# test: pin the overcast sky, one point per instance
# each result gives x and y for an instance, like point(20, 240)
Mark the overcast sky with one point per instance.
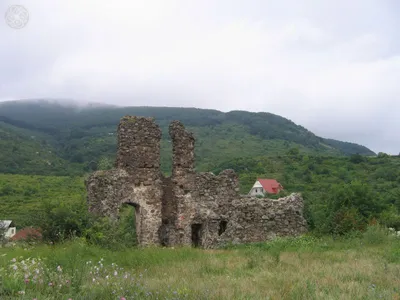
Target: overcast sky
point(332, 66)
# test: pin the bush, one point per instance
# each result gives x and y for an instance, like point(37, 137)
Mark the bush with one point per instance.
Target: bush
point(60, 221)
point(357, 158)
point(375, 235)
point(390, 218)
point(348, 207)
point(346, 220)
point(281, 194)
point(113, 234)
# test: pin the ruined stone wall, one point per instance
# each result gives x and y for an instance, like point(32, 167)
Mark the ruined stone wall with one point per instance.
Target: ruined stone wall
point(254, 219)
point(136, 181)
point(223, 216)
point(188, 208)
point(206, 198)
point(105, 190)
point(181, 179)
point(182, 150)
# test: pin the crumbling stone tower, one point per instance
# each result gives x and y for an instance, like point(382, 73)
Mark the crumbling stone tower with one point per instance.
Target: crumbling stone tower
point(136, 180)
point(188, 208)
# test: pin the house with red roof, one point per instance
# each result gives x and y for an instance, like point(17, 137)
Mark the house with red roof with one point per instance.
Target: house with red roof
point(26, 234)
point(265, 186)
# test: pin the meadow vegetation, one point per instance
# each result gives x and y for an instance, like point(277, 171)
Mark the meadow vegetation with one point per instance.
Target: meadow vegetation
point(355, 266)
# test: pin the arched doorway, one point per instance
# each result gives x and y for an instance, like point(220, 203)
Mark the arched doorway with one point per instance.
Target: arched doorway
point(129, 223)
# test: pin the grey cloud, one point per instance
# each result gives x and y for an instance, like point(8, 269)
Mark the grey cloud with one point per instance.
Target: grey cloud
point(331, 66)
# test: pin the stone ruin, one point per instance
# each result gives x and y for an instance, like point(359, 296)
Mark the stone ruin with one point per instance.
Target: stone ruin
point(187, 208)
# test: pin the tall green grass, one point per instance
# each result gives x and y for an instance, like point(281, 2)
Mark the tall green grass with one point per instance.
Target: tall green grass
point(364, 266)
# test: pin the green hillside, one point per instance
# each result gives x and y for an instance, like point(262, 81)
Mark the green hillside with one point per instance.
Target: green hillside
point(22, 196)
point(377, 179)
point(62, 139)
point(24, 151)
point(318, 173)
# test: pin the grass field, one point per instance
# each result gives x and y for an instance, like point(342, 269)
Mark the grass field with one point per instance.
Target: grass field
point(359, 267)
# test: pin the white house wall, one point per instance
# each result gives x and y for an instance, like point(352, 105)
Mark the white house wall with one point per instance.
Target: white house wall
point(6, 229)
point(10, 232)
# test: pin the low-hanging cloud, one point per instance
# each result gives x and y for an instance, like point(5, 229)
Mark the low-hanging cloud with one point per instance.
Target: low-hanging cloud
point(331, 66)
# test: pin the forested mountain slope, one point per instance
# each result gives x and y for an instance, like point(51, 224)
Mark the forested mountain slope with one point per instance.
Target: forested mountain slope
point(50, 137)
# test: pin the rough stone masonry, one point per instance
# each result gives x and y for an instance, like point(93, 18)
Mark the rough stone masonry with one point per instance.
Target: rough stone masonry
point(187, 208)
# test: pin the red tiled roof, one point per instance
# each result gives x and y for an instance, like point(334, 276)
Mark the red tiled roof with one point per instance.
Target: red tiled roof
point(27, 233)
point(270, 185)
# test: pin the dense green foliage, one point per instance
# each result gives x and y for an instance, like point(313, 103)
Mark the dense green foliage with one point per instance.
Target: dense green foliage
point(110, 234)
point(341, 193)
point(45, 138)
point(24, 197)
point(28, 152)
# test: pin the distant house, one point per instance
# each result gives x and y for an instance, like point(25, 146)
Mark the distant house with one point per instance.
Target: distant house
point(27, 233)
point(7, 228)
point(265, 186)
